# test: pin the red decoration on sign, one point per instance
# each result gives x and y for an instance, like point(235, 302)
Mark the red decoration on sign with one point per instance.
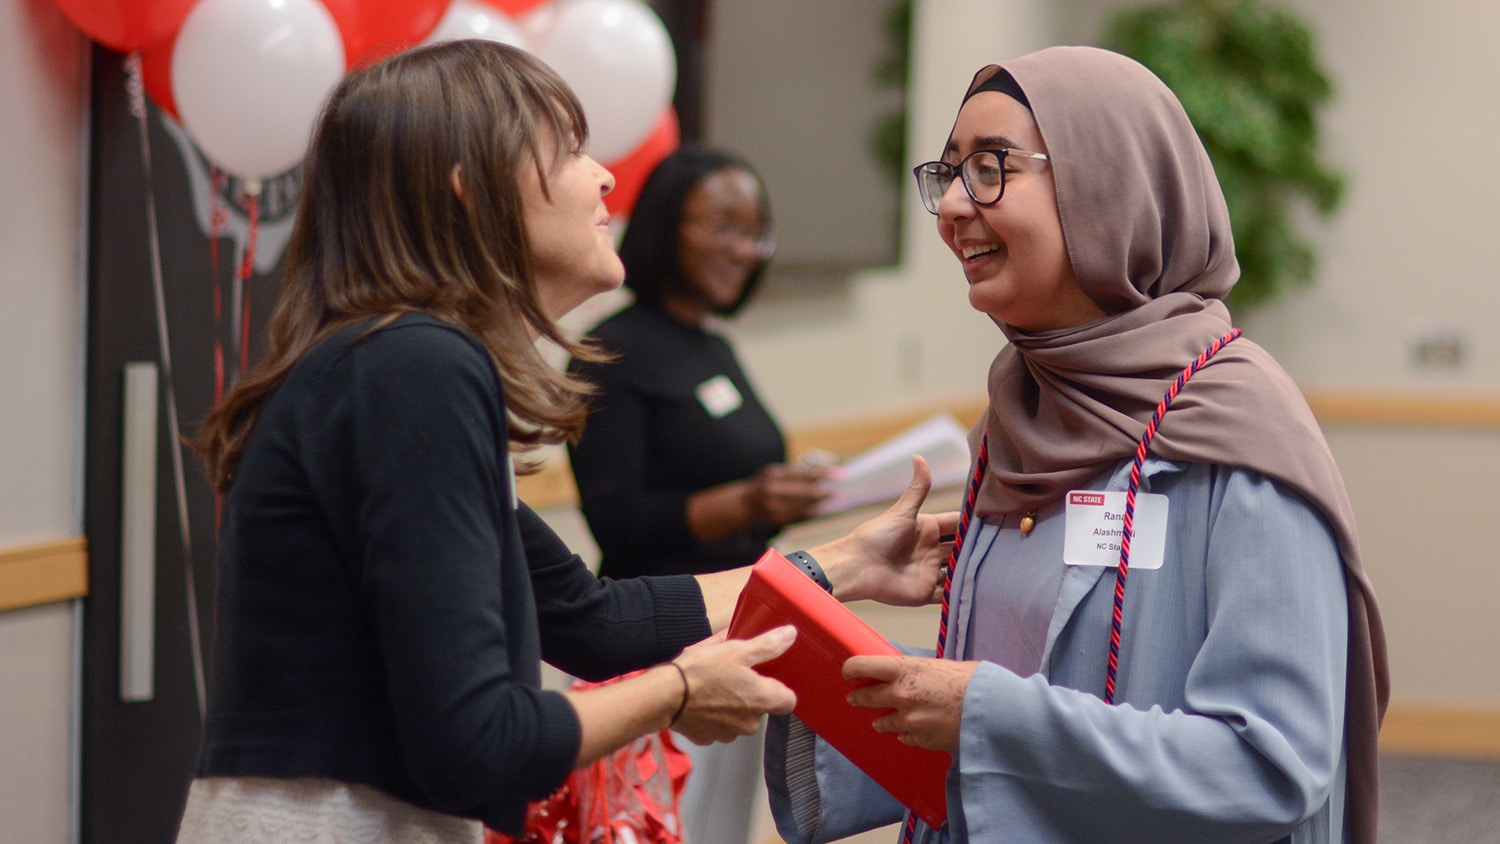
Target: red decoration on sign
point(156, 73)
point(516, 7)
point(374, 29)
point(631, 171)
point(127, 25)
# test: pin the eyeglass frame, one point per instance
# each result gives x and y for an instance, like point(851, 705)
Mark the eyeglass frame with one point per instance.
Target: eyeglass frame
point(730, 234)
point(960, 173)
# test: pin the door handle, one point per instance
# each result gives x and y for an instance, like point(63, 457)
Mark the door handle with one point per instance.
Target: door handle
point(138, 533)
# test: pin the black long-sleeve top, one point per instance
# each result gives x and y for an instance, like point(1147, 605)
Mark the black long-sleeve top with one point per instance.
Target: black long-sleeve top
point(674, 414)
point(384, 601)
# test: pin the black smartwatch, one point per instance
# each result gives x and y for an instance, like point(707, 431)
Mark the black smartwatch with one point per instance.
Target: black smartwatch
point(810, 567)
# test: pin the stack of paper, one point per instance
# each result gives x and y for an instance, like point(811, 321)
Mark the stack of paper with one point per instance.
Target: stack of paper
point(882, 473)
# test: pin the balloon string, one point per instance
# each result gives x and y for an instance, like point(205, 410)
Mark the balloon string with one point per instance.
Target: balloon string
point(247, 269)
point(135, 91)
point(218, 221)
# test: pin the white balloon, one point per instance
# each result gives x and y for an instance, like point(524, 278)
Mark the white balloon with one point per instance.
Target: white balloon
point(617, 56)
point(473, 19)
point(250, 78)
point(535, 22)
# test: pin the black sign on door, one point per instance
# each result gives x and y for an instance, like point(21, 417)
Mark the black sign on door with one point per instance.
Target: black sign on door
point(142, 686)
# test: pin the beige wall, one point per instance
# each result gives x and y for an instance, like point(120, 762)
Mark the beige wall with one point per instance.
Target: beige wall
point(42, 98)
point(1413, 127)
point(1425, 516)
point(36, 699)
point(1405, 255)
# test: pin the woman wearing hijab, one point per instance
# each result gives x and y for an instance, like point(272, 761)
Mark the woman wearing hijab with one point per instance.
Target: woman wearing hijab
point(1234, 690)
point(384, 600)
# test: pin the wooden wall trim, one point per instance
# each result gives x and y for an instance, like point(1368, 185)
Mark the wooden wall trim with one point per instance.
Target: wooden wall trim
point(58, 570)
point(43, 573)
point(1406, 409)
point(553, 486)
point(54, 571)
point(1441, 730)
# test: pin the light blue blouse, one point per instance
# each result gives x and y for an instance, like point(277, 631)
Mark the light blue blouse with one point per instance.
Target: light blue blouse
point(1229, 716)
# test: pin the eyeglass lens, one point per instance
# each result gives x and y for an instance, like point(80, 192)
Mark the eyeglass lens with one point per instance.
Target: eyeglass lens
point(729, 234)
point(982, 172)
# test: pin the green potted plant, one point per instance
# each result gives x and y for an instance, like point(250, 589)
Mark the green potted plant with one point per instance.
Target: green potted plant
point(1247, 75)
point(887, 140)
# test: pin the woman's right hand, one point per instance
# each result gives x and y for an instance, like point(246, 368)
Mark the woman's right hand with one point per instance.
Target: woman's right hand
point(726, 696)
point(779, 494)
point(775, 495)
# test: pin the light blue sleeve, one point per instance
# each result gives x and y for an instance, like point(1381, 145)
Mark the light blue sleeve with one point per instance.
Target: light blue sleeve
point(816, 794)
point(1251, 749)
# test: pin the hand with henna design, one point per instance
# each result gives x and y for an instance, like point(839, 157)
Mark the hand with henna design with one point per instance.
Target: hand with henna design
point(924, 697)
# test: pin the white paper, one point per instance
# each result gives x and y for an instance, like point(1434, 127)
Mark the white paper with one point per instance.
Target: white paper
point(882, 473)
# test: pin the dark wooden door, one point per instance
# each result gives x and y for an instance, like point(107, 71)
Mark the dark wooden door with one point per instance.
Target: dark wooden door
point(138, 754)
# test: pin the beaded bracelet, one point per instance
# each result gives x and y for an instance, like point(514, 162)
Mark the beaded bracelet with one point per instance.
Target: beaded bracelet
point(811, 568)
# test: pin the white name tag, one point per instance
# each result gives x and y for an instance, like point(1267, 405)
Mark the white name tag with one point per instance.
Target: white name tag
point(719, 397)
point(1096, 522)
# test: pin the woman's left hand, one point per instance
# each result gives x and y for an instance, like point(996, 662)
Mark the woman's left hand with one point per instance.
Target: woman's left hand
point(897, 557)
point(925, 696)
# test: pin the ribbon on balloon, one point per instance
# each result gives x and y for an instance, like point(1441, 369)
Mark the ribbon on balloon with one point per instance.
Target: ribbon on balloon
point(631, 171)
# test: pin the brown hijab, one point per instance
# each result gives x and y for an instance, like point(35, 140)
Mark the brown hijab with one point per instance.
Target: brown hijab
point(1148, 235)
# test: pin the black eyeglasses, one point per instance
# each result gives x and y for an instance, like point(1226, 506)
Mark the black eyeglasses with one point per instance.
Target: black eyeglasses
point(729, 235)
point(982, 172)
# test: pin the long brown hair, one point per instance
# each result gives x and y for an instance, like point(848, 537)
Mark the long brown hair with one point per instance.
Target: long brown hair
point(380, 230)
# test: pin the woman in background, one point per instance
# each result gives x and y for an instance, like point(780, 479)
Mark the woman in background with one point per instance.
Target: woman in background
point(682, 469)
point(384, 601)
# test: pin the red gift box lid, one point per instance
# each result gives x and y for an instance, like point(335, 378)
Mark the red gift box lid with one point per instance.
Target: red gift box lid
point(828, 633)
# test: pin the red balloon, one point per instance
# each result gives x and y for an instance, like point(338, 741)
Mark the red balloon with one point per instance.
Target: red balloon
point(516, 7)
point(375, 29)
point(127, 25)
point(632, 170)
point(156, 76)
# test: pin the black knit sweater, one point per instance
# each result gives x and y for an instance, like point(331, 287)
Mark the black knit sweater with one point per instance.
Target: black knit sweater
point(384, 601)
point(674, 415)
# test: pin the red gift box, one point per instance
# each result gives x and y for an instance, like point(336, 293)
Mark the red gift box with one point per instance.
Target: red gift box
point(828, 633)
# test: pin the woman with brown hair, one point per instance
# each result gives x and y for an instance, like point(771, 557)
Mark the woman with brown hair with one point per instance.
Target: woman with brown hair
point(384, 600)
